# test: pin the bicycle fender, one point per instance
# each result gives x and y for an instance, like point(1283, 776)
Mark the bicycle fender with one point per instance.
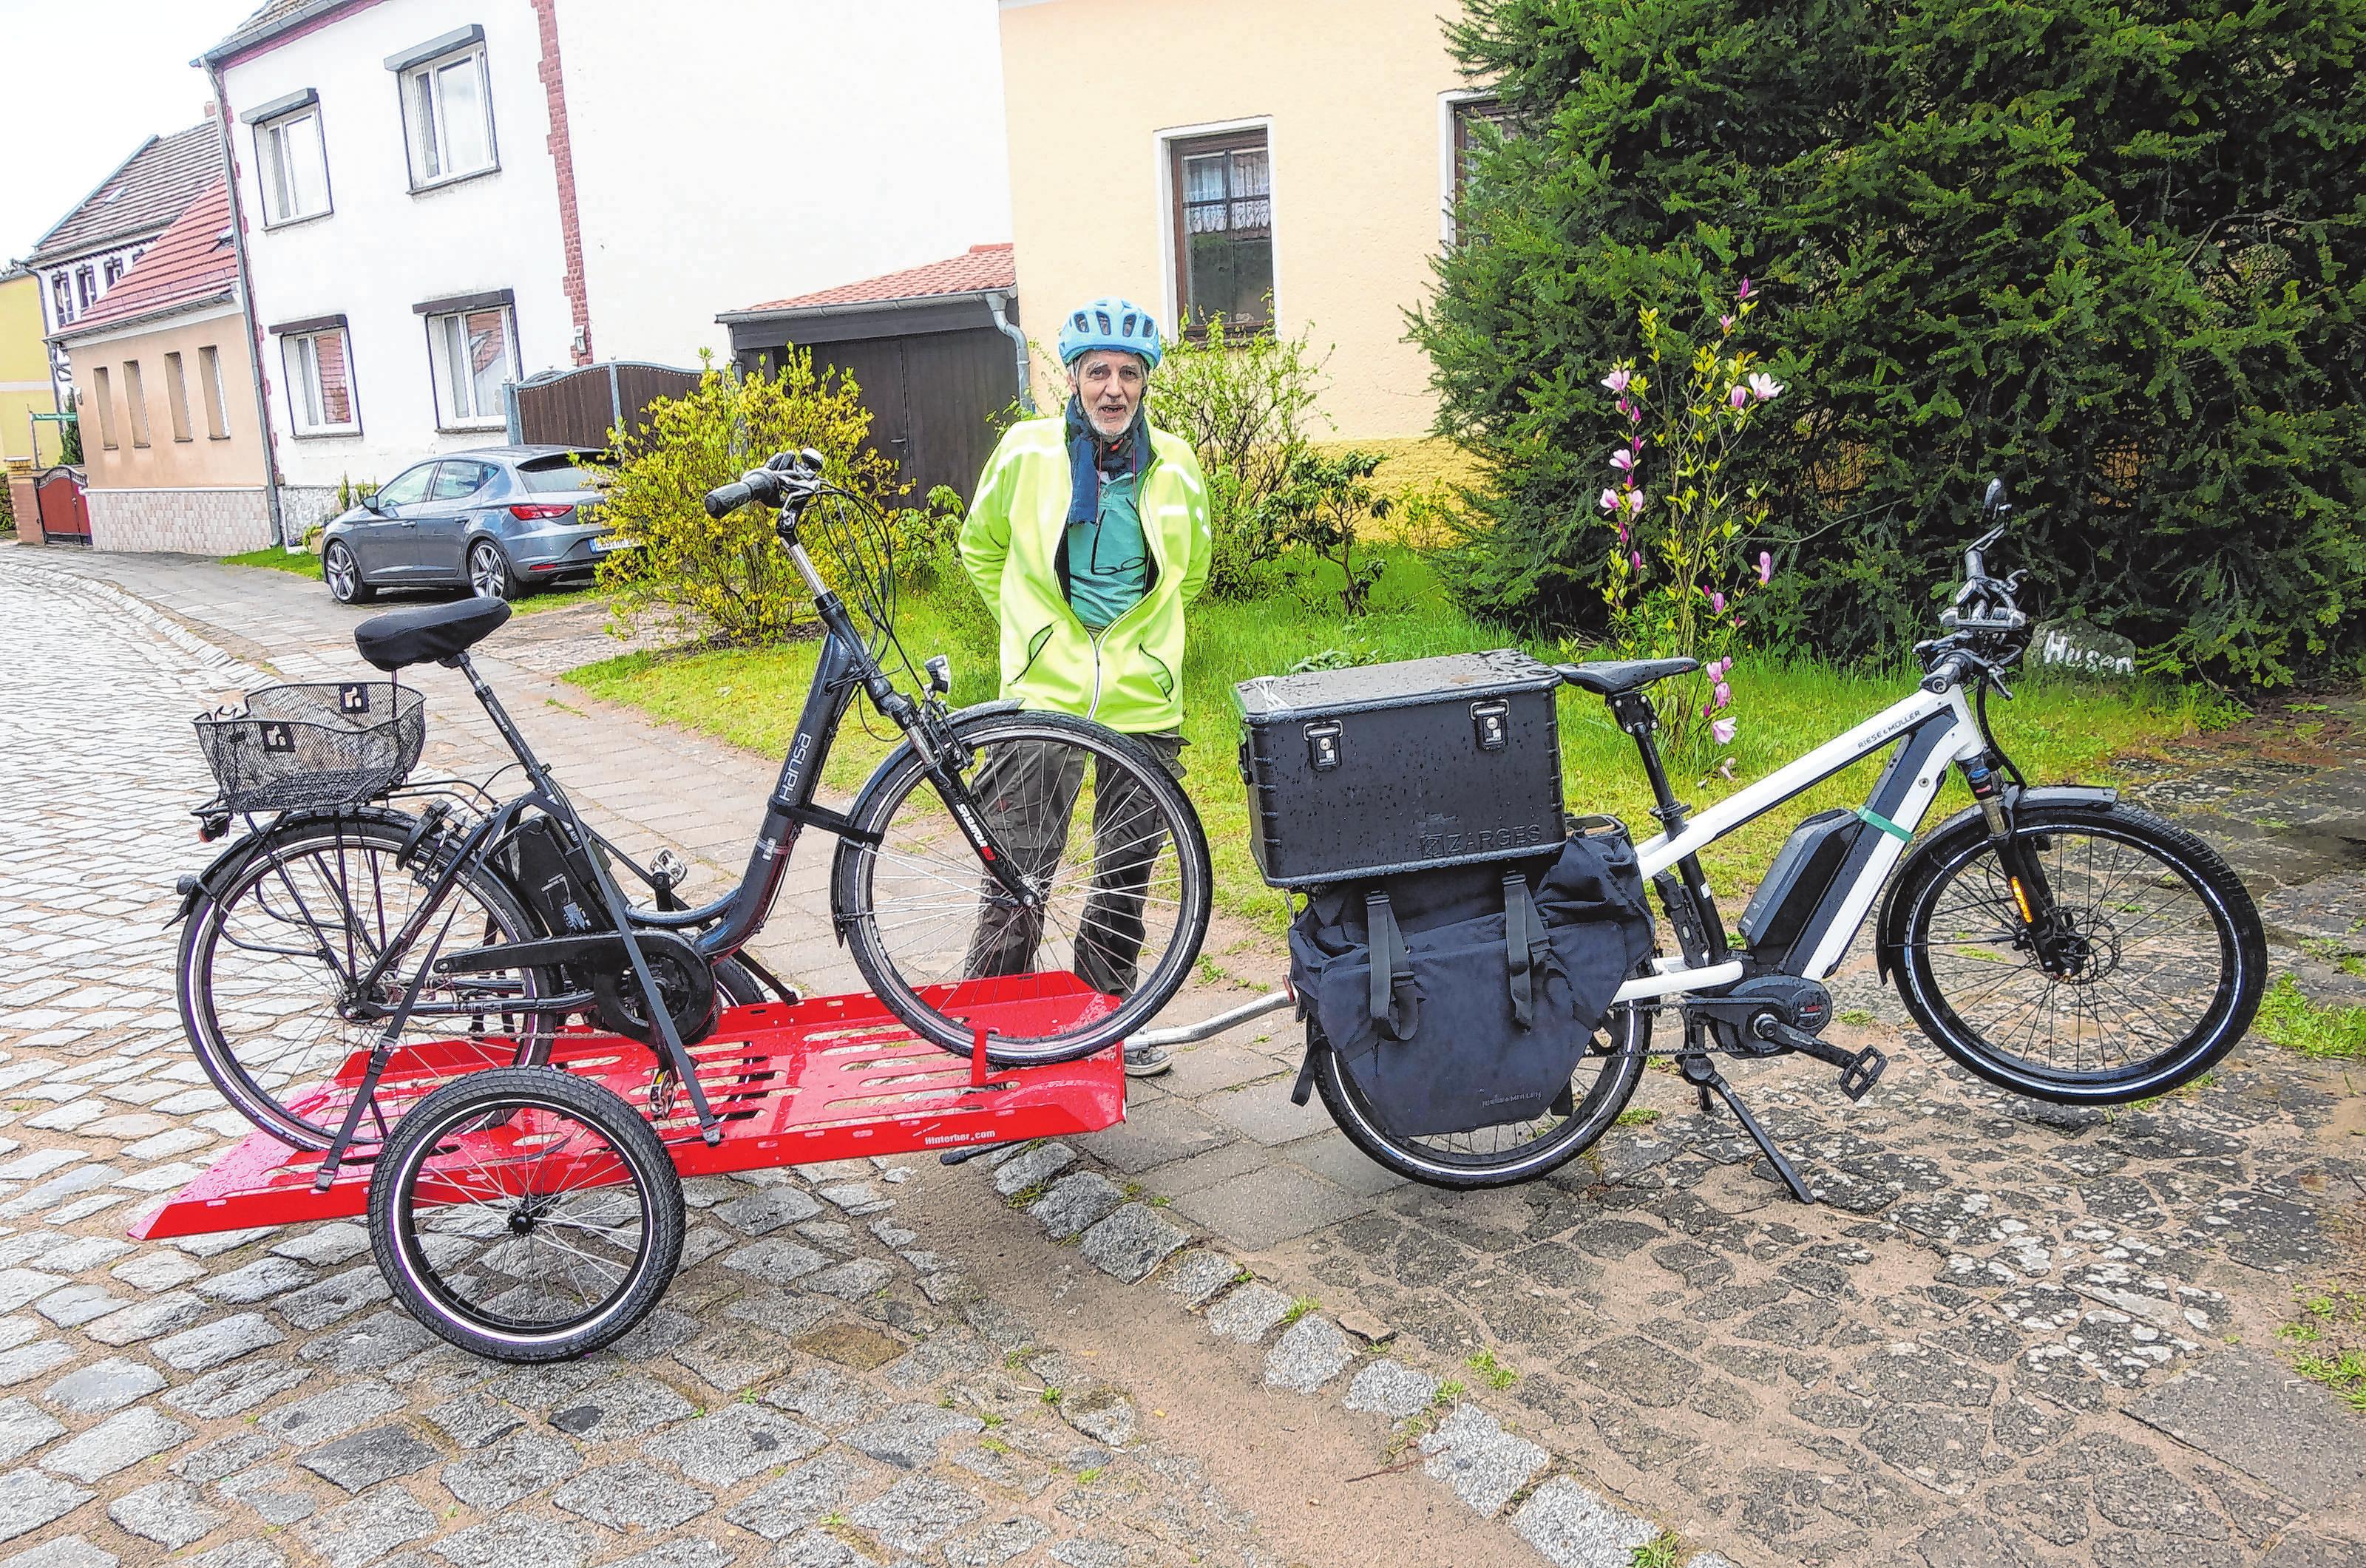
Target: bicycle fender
point(1891, 944)
point(225, 867)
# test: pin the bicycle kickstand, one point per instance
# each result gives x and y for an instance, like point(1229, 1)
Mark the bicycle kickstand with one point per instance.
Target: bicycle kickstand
point(1702, 1074)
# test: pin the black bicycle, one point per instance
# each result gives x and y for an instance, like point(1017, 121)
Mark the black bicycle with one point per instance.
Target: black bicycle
point(1031, 881)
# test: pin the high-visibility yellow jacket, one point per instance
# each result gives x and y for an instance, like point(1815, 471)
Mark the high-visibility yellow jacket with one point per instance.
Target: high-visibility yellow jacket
point(1129, 675)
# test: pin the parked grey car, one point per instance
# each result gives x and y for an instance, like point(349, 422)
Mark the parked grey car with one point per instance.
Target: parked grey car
point(499, 521)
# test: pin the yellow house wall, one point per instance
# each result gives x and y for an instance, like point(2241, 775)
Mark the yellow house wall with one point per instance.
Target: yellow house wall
point(24, 373)
point(1351, 92)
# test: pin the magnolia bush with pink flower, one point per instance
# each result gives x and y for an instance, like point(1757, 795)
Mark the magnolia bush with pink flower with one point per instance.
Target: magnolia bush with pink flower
point(1685, 561)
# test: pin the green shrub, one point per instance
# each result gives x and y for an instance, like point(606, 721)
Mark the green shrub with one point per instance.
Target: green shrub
point(1320, 504)
point(2110, 250)
point(726, 578)
point(1244, 400)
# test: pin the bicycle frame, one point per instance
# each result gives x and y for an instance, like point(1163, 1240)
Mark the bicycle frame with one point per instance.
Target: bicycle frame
point(1932, 730)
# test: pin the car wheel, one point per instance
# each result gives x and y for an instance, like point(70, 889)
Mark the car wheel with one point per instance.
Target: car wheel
point(343, 573)
point(488, 571)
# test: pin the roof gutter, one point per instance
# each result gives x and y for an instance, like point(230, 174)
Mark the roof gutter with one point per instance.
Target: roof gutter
point(83, 329)
point(271, 478)
point(985, 296)
point(237, 46)
point(997, 300)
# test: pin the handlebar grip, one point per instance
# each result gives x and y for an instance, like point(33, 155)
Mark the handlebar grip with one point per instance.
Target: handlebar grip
point(726, 499)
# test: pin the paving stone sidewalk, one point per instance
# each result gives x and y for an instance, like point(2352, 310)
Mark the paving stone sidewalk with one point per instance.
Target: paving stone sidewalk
point(818, 1388)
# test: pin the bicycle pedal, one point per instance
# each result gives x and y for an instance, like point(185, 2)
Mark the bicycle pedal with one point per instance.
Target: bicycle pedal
point(1863, 1072)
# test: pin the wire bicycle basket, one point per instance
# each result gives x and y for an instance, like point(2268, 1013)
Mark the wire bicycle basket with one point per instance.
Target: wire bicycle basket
point(298, 746)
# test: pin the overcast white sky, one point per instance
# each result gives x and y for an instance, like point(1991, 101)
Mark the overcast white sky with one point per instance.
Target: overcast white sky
point(87, 81)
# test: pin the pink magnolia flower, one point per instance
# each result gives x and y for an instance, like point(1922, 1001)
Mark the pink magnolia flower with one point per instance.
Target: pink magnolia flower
point(1717, 602)
point(1617, 379)
point(1724, 695)
point(1638, 557)
point(1725, 323)
point(1609, 500)
point(1765, 569)
point(1723, 729)
point(1623, 459)
point(1742, 292)
point(1766, 387)
point(1635, 502)
point(1739, 396)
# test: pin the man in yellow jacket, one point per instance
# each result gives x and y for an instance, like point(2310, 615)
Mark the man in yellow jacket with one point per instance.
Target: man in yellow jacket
point(1089, 535)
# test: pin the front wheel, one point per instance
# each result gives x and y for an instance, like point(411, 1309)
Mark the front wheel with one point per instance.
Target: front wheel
point(1094, 824)
point(343, 573)
point(2143, 973)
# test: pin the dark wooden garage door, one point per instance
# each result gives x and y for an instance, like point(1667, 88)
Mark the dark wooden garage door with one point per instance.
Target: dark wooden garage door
point(932, 397)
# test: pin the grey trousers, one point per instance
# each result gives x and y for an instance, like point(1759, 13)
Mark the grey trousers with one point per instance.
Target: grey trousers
point(1027, 790)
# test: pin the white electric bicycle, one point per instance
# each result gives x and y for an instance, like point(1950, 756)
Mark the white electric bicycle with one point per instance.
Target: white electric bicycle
point(2056, 941)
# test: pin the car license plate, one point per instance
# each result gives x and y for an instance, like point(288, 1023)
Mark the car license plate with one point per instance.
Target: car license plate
point(606, 542)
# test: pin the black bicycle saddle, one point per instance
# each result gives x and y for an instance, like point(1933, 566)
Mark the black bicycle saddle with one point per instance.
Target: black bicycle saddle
point(433, 631)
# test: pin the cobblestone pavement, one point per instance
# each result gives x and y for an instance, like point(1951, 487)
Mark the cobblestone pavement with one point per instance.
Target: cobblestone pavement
point(817, 1389)
point(2010, 1334)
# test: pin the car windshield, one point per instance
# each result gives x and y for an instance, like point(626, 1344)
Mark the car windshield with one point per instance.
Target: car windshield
point(546, 474)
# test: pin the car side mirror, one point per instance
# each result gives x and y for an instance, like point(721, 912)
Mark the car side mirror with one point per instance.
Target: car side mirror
point(370, 502)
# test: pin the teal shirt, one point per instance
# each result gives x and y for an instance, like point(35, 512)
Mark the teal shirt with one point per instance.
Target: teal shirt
point(1108, 564)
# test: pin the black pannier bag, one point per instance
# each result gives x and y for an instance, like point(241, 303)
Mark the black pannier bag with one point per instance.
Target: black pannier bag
point(1464, 997)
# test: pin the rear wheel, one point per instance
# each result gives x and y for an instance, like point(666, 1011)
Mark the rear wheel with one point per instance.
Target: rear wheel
point(526, 1215)
point(2144, 972)
point(271, 957)
point(488, 571)
point(1513, 1152)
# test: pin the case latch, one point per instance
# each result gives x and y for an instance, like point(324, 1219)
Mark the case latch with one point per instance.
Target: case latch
point(1490, 724)
point(1323, 747)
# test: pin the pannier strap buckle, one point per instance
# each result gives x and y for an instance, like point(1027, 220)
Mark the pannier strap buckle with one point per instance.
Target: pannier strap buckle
point(1526, 946)
point(1396, 1015)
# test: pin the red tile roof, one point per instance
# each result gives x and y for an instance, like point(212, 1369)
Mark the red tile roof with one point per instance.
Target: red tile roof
point(153, 187)
point(191, 261)
point(980, 268)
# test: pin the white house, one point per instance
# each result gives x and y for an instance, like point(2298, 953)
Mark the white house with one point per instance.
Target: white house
point(438, 197)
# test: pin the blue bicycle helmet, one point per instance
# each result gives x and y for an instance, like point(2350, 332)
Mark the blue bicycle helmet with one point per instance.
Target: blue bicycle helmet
point(1110, 323)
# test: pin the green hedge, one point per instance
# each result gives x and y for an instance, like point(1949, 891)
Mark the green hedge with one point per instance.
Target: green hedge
point(2110, 250)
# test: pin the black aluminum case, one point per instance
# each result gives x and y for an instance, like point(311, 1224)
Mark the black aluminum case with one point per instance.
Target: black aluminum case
point(1390, 768)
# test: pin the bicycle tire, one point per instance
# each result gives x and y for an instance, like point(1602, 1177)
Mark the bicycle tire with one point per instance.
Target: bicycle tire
point(488, 1106)
point(380, 835)
point(901, 824)
point(1628, 1032)
point(1938, 987)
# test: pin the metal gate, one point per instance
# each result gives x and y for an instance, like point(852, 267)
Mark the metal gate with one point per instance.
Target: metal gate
point(580, 407)
point(64, 514)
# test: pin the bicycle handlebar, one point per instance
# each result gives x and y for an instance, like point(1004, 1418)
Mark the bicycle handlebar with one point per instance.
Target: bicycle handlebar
point(788, 475)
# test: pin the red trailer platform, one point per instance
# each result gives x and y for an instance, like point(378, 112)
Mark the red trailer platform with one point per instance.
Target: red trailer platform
point(829, 1079)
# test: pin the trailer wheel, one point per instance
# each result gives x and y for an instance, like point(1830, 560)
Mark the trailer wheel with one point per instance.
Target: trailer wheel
point(526, 1214)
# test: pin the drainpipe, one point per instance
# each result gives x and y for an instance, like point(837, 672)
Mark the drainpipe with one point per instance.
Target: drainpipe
point(254, 316)
point(995, 299)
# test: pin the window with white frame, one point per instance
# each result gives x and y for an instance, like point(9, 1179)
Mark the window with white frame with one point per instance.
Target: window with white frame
point(294, 165)
point(62, 297)
point(472, 352)
point(320, 382)
point(1223, 230)
point(447, 118)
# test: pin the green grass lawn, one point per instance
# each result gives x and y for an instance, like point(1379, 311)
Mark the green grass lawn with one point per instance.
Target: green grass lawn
point(303, 563)
point(306, 564)
point(2056, 731)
